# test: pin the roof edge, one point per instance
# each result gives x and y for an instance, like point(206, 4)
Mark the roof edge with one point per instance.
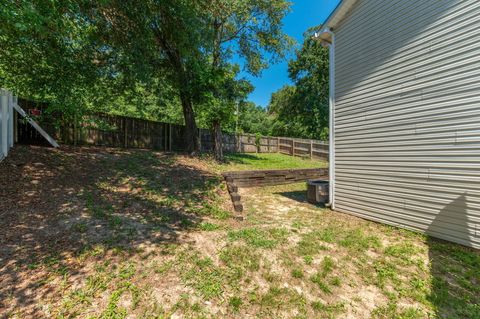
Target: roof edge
point(338, 14)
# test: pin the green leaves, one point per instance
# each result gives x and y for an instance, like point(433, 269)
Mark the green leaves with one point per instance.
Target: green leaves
point(302, 110)
point(49, 54)
point(253, 119)
point(152, 59)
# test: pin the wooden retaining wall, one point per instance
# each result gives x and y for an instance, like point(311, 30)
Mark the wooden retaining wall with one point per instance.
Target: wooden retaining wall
point(273, 177)
point(266, 178)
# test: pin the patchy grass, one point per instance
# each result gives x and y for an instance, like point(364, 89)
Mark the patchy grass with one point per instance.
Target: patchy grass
point(99, 233)
point(260, 238)
point(339, 258)
point(252, 161)
point(205, 226)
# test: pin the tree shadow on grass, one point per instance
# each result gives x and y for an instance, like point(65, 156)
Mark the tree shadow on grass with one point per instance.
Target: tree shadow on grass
point(59, 205)
point(454, 269)
point(299, 196)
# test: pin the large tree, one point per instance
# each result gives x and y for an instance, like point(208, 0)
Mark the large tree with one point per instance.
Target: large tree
point(218, 107)
point(78, 50)
point(152, 41)
point(288, 121)
point(250, 29)
point(193, 41)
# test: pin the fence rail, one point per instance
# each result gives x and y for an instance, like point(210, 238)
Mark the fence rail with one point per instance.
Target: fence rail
point(303, 147)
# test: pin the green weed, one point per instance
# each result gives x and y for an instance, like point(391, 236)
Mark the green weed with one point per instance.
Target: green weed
point(297, 273)
point(235, 303)
point(257, 237)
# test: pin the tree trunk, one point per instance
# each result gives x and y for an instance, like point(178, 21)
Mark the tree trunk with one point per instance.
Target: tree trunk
point(218, 143)
point(192, 142)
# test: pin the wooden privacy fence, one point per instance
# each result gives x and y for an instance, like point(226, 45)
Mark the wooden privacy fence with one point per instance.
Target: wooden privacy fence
point(121, 131)
point(303, 147)
point(128, 132)
point(250, 143)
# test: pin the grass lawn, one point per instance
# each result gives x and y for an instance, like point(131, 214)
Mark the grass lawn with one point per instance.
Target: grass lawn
point(103, 233)
point(240, 162)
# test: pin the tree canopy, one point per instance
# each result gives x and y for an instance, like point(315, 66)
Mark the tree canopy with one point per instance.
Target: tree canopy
point(82, 55)
point(301, 110)
point(254, 119)
point(166, 60)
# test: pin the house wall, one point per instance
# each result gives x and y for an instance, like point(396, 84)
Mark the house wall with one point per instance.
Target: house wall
point(407, 115)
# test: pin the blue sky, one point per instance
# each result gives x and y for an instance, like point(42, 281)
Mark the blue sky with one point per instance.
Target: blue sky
point(304, 14)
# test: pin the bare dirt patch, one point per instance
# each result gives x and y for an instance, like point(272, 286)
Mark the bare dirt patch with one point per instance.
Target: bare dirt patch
point(63, 211)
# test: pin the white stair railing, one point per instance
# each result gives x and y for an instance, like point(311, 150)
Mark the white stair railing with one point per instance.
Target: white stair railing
point(35, 125)
point(9, 103)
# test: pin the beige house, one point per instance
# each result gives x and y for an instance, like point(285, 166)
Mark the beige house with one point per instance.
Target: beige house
point(405, 114)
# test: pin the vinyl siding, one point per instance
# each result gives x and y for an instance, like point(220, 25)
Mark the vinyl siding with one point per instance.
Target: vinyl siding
point(407, 115)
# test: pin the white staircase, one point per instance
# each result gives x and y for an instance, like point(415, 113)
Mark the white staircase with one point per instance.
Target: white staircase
point(8, 136)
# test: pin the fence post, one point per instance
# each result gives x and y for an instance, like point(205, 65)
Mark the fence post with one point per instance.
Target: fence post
point(15, 124)
point(170, 137)
point(10, 120)
point(200, 138)
point(293, 147)
point(311, 149)
point(3, 119)
point(75, 129)
point(164, 136)
point(125, 133)
point(133, 133)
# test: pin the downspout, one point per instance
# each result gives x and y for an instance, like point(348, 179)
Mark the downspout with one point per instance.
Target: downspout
point(331, 153)
point(327, 38)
